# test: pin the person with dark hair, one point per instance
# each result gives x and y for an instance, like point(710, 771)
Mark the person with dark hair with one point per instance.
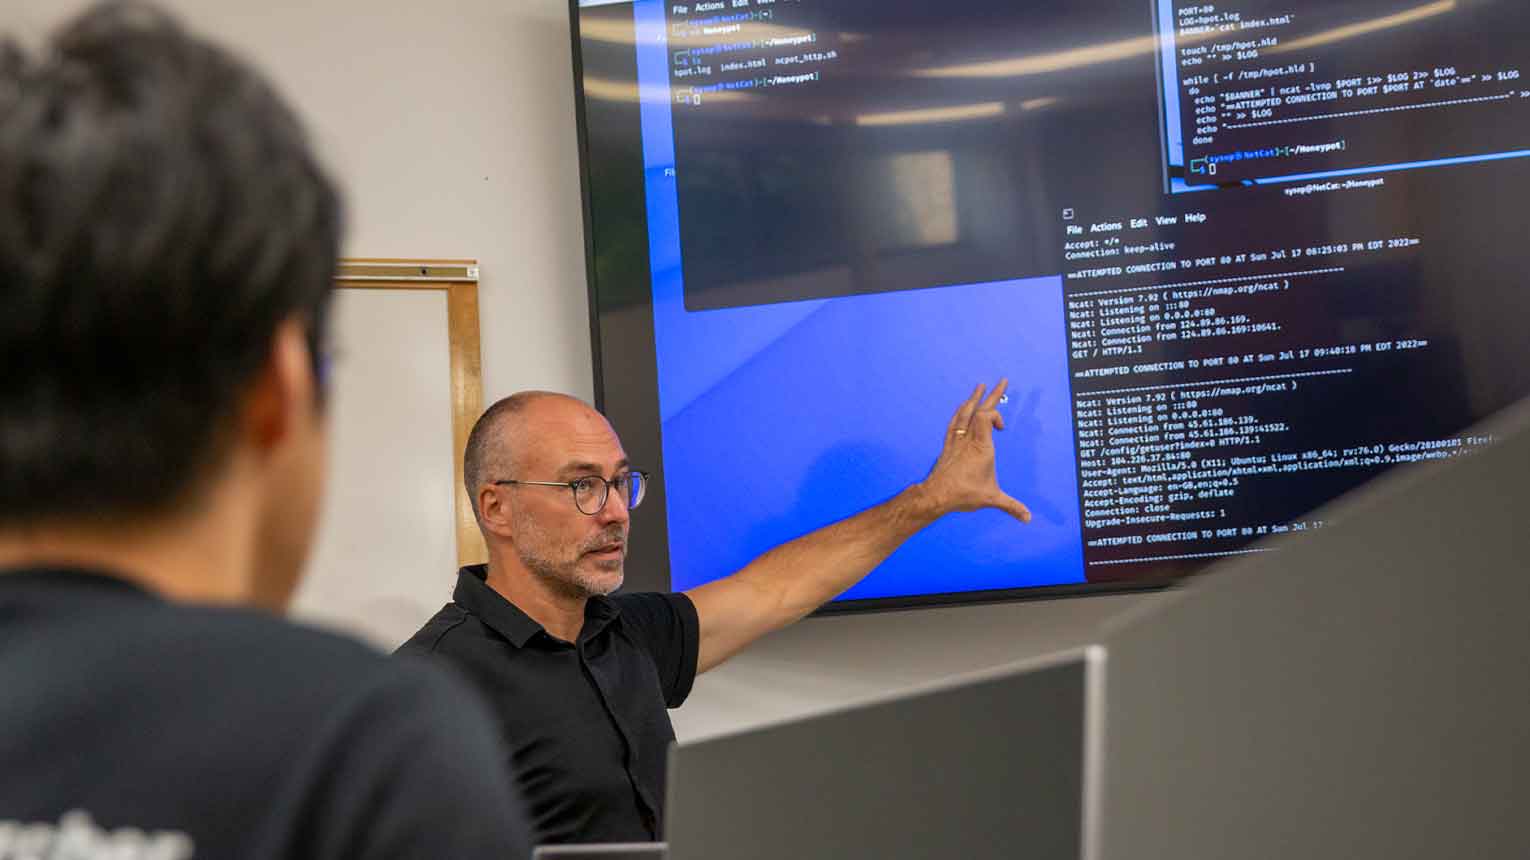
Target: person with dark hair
point(167, 253)
point(581, 679)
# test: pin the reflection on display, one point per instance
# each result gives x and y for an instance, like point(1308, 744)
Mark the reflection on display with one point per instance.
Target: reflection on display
point(1235, 258)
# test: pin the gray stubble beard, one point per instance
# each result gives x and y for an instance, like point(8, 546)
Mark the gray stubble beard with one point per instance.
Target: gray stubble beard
point(561, 575)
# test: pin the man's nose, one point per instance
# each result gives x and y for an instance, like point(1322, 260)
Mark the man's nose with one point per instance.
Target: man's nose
point(615, 509)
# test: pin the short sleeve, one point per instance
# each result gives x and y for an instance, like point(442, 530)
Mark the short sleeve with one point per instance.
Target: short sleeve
point(667, 627)
point(417, 772)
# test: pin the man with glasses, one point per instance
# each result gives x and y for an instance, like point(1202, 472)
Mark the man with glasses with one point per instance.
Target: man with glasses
point(581, 680)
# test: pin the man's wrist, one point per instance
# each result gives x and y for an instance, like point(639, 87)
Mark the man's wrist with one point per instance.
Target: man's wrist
point(924, 503)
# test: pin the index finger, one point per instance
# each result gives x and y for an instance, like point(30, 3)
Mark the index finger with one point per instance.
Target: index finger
point(997, 394)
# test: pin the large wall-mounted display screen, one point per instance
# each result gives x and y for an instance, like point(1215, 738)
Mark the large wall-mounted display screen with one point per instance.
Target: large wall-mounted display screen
point(1235, 258)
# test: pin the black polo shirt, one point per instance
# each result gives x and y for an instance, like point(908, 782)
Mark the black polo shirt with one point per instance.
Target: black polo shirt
point(135, 727)
point(585, 722)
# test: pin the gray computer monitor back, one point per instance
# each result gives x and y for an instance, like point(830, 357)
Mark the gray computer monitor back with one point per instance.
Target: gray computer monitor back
point(1360, 693)
point(991, 766)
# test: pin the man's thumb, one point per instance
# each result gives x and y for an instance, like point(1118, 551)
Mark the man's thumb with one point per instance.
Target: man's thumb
point(1013, 507)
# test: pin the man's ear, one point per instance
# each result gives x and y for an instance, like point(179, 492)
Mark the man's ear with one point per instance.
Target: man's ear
point(283, 390)
point(495, 509)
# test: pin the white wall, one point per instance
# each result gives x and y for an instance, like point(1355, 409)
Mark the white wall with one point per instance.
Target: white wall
point(451, 127)
point(387, 543)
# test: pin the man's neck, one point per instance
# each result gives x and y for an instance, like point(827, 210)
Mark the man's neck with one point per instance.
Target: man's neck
point(560, 614)
point(201, 557)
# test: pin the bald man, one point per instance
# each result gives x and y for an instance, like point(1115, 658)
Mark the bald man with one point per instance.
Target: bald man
point(580, 680)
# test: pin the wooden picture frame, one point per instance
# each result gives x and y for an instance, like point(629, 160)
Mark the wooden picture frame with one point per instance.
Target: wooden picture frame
point(459, 280)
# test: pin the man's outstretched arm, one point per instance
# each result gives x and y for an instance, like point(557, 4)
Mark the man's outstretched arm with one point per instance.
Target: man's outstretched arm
point(795, 578)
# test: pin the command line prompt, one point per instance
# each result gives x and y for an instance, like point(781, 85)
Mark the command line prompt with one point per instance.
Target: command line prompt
point(1277, 87)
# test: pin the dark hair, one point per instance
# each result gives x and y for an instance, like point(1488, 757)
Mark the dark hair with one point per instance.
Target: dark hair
point(160, 215)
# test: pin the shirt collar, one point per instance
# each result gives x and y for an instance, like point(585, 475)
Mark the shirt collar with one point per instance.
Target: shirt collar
point(83, 580)
point(474, 594)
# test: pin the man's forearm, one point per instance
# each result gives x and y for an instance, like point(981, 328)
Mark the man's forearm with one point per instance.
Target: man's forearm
point(793, 579)
point(821, 565)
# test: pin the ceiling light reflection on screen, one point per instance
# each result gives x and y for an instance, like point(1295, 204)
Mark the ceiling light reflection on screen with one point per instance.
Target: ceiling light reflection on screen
point(1057, 61)
point(607, 89)
point(1349, 31)
point(954, 113)
point(618, 32)
point(1124, 49)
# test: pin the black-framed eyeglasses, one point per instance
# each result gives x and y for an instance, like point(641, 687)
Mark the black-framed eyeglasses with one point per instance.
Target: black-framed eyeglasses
point(591, 491)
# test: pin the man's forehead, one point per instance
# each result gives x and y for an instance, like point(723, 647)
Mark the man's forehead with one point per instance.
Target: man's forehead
point(556, 432)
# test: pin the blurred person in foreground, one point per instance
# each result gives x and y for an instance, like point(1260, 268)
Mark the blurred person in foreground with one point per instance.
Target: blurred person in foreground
point(167, 249)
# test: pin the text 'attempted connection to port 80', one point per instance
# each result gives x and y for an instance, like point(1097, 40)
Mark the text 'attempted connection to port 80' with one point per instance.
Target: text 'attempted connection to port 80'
point(1271, 88)
point(1225, 384)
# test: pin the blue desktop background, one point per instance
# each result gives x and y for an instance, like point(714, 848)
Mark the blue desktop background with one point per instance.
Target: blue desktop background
point(779, 419)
